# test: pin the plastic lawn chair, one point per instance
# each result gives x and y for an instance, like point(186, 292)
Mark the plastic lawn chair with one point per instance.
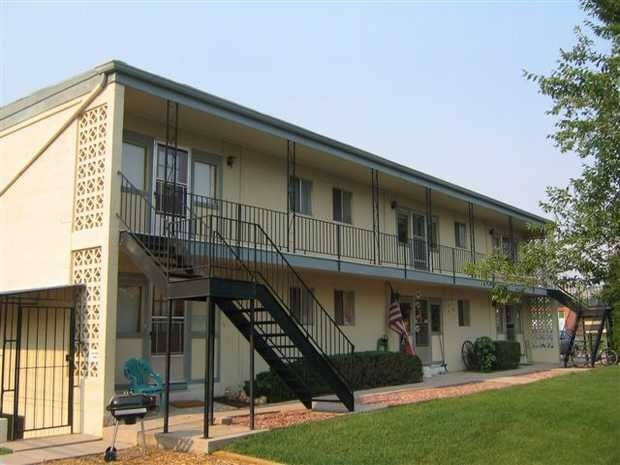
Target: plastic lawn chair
point(142, 378)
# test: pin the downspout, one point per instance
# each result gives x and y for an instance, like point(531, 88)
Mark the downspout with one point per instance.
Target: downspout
point(87, 101)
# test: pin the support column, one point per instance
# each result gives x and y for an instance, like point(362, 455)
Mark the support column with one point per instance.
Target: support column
point(376, 218)
point(472, 231)
point(168, 367)
point(429, 229)
point(291, 194)
point(209, 369)
point(512, 252)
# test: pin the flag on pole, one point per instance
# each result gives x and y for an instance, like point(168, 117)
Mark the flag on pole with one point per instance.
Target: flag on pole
point(397, 324)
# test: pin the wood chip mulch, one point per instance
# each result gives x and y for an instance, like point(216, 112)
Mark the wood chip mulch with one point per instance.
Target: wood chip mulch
point(273, 420)
point(423, 395)
point(152, 456)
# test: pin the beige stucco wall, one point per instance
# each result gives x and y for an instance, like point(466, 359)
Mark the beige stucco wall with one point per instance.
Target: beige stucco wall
point(38, 237)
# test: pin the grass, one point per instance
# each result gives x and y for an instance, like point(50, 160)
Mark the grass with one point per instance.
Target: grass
point(5, 451)
point(571, 419)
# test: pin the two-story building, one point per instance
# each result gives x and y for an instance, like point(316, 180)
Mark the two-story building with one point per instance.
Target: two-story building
point(121, 189)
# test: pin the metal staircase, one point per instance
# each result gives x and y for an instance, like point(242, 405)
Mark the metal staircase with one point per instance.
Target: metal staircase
point(582, 310)
point(238, 265)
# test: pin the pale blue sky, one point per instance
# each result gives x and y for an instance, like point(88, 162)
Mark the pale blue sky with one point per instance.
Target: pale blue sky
point(437, 86)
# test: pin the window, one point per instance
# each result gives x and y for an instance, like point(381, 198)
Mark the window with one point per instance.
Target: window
point(436, 318)
point(159, 322)
point(129, 316)
point(464, 316)
point(171, 183)
point(499, 320)
point(435, 233)
point(301, 304)
point(301, 201)
point(134, 165)
point(204, 179)
point(402, 227)
point(342, 205)
point(344, 308)
point(460, 235)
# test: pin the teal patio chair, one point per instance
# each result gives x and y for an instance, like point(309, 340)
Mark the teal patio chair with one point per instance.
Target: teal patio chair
point(142, 378)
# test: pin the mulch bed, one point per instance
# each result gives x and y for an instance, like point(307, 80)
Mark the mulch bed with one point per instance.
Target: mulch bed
point(274, 420)
point(152, 456)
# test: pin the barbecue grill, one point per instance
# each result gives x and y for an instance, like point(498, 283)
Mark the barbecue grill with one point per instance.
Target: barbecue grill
point(128, 409)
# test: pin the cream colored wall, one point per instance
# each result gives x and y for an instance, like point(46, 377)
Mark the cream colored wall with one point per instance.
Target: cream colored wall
point(36, 212)
point(37, 237)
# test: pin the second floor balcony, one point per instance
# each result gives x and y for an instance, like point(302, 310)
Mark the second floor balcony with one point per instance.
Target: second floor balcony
point(174, 212)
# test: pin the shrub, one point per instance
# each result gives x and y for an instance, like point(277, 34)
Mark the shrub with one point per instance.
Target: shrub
point(485, 353)
point(507, 355)
point(367, 370)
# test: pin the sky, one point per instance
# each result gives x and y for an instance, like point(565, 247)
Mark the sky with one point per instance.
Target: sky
point(437, 86)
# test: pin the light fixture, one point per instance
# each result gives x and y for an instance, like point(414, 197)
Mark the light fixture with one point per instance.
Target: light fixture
point(230, 161)
point(394, 204)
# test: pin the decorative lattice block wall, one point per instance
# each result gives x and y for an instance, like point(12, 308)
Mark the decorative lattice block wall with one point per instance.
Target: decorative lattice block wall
point(541, 323)
point(90, 169)
point(86, 269)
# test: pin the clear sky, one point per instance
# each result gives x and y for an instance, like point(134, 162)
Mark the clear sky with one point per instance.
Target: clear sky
point(436, 86)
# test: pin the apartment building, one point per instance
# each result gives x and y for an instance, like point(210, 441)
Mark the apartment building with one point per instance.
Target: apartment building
point(139, 215)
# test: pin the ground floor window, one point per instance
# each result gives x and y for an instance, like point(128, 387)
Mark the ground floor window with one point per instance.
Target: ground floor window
point(344, 307)
point(464, 313)
point(301, 301)
point(159, 325)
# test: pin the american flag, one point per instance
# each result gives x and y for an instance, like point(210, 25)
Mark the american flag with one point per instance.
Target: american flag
point(396, 323)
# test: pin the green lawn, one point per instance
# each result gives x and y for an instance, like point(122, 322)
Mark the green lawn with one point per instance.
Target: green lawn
point(572, 419)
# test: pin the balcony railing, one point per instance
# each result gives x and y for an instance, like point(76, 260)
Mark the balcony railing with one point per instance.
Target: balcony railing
point(304, 235)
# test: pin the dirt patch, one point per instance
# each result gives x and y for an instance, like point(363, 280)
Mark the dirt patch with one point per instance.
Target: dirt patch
point(136, 456)
point(273, 420)
point(543, 374)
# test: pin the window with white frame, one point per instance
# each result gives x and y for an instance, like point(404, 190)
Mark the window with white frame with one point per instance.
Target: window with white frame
point(342, 205)
point(344, 307)
point(460, 235)
point(464, 313)
point(133, 165)
point(301, 201)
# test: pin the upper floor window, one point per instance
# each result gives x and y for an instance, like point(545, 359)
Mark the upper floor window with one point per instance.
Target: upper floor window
point(203, 179)
point(301, 200)
point(344, 307)
point(460, 235)
point(171, 182)
point(342, 205)
point(134, 165)
point(402, 227)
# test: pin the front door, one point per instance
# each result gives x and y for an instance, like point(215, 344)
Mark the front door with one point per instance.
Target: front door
point(171, 178)
point(512, 316)
point(159, 337)
point(419, 244)
point(422, 331)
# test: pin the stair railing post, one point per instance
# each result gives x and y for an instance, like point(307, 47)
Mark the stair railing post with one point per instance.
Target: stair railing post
point(338, 245)
point(252, 322)
point(453, 265)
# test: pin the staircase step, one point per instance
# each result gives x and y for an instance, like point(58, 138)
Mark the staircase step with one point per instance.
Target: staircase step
point(270, 335)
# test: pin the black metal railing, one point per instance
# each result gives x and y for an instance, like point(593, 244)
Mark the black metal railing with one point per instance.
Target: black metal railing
point(290, 232)
point(262, 258)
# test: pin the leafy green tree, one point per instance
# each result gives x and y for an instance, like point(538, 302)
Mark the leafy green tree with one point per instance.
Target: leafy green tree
point(585, 237)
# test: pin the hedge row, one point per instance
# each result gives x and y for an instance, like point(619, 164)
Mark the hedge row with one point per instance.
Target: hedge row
point(366, 370)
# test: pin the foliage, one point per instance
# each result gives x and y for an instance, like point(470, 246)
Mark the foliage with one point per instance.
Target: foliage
point(5, 451)
point(585, 93)
point(522, 425)
point(368, 370)
point(485, 353)
point(611, 294)
point(507, 355)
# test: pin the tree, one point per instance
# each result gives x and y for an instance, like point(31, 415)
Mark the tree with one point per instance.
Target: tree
point(585, 91)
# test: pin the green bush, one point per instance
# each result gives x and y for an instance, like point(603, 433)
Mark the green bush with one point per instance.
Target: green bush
point(507, 355)
point(367, 370)
point(485, 353)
